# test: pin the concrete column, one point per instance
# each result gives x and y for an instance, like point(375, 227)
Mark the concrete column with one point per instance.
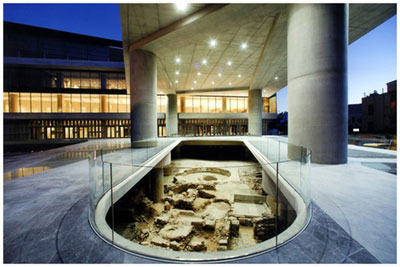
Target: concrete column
point(317, 80)
point(157, 185)
point(182, 99)
point(171, 116)
point(14, 102)
point(59, 103)
point(224, 104)
point(255, 112)
point(143, 84)
point(103, 104)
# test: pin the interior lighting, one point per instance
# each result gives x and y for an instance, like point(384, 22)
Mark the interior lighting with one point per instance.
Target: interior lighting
point(276, 77)
point(243, 46)
point(213, 43)
point(219, 74)
point(198, 74)
point(191, 88)
point(230, 84)
point(239, 75)
point(212, 83)
point(204, 61)
point(176, 81)
point(181, 5)
point(229, 63)
point(177, 72)
point(194, 82)
point(178, 60)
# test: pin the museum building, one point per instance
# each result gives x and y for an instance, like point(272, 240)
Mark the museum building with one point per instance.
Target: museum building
point(61, 85)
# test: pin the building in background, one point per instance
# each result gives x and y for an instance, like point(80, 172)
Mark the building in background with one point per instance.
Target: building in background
point(355, 118)
point(67, 86)
point(379, 111)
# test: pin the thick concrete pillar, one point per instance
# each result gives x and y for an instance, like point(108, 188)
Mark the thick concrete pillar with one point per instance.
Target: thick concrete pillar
point(255, 112)
point(143, 84)
point(172, 115)
point(182, 101)
point(157, 185)
point(317, 80)
point(224, 104)
point(14, 102)
point(103, 104)
point(59, 103)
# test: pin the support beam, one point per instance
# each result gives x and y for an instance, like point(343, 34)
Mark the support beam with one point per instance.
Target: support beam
point(143, 84)
point(255, 112)
point(317, 80)
point(172, 115)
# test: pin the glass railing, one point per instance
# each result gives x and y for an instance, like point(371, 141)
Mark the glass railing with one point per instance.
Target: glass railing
point(167, 201)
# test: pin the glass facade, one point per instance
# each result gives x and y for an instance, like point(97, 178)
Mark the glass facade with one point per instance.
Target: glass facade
point(212, 104)
point(64, 103)
point(21, 78)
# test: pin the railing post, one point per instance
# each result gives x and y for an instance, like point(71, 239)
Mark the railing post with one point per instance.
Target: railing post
point(276, 205)
point(112, 203)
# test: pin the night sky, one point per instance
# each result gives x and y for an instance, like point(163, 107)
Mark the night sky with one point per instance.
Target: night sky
point(372, 58)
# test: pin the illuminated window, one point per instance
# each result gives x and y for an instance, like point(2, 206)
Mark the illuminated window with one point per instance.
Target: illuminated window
point(94, 103)
point(46, 103)
point(163, 101)
point(266, 105)
point(66, 106)
point(121, 81)
point(272, 103)
point(85, 103)
point(113, 103)
point(189, 104)
point(25, 101)
point(204, 104)
point(241, 105)
point(76, 103)
point(196, 104)
point(75, 80)
point(234, 105)
point(36, 103)
point(6, 108)
point(122, 103)
point(85, 80)
point(112, 81)
point(95, 81)
point(54, 106)
point(218, 104)
point(211, 104)
point(67, 79)
point(178, 105)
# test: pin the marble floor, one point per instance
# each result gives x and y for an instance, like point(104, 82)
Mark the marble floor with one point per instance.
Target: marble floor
point(354, 211)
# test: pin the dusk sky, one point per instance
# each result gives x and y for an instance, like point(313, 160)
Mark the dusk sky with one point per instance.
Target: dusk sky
point(372, 58)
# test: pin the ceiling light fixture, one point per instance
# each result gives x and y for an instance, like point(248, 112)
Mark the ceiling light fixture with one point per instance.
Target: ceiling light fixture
point(178, 60)
point(229, 63)
point(191, 88)
point(198, 74)
point(212, 83)
point(204, 61)
point(219, 74)
point(177, 72)
point(230, 84)
point(181, 6)
point(239, 75)
point(276, 77)
point(194, 82)
point(243, 45)
point(176, 81)
point(213, 43)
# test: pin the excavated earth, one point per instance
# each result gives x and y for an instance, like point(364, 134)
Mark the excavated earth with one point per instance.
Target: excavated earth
point(201, 210)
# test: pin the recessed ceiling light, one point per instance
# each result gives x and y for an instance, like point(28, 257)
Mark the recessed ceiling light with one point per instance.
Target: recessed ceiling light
point(229, 63)
point(191, 88)
point(212, 83)
point(213, 43)
point(219, 74)
point(176, 81)
point(198, 74)
point(239, 75)
point(230, 83)
point(181, 6)
point(178, 60)
point(276, 77)
point(204, 61)
point(177, 72)
point(194, 82)
point(243, 45)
